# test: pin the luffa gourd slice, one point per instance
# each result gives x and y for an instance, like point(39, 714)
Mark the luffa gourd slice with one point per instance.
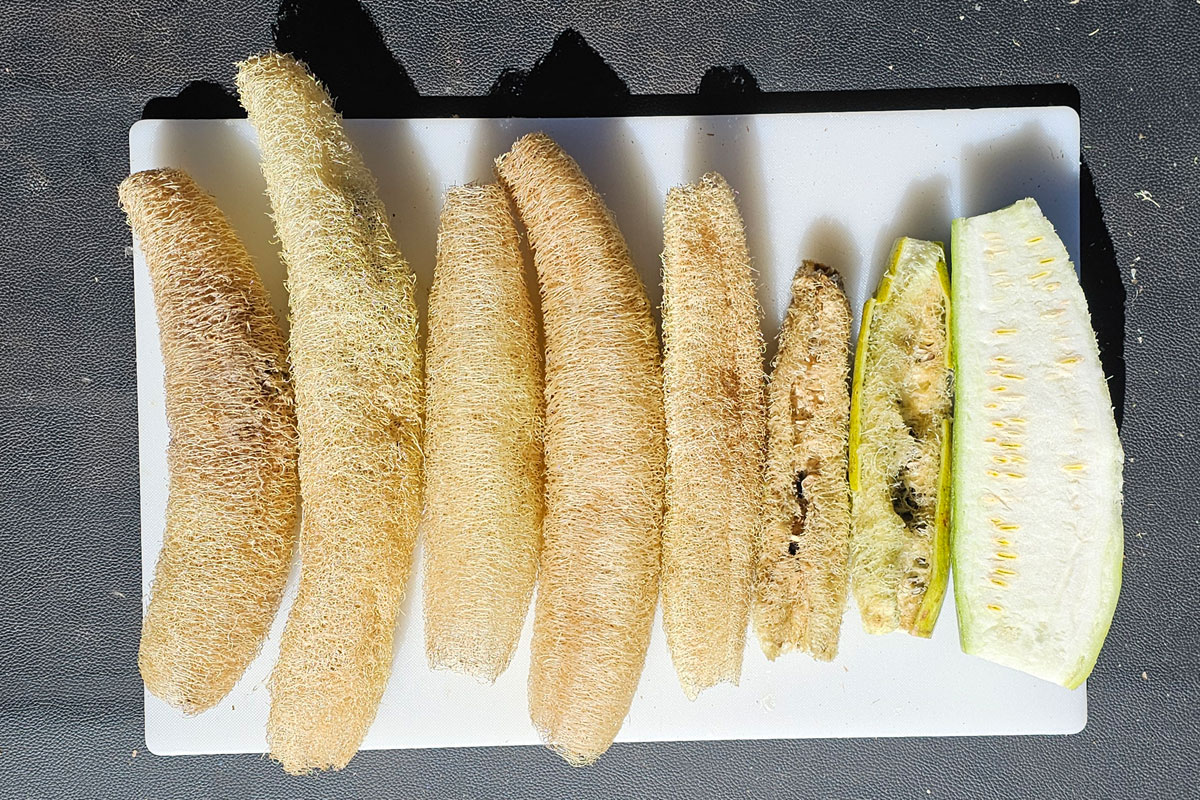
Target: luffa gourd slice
point(1036, 537)
point(899, 444)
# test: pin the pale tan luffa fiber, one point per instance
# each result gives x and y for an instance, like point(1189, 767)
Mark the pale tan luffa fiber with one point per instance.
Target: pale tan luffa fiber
point(604, 453)
point(357, 372)
point(716, 433)
point(483, 439)
point(802, 572)
point(231, 460)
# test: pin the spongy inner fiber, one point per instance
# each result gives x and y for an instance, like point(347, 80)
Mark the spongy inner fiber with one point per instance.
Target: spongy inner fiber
point(604, 451)
point(231, 460)
point(716, 433)
point(483, 439)
point(359, 395)
point(906, 396)
point(802, 570)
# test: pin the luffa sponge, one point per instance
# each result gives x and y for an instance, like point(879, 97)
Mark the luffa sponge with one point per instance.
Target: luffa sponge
point(716, 433)
point(231, 511)
point(604, 456)
point(803, 556)
point(359, 396)
point(483, 439)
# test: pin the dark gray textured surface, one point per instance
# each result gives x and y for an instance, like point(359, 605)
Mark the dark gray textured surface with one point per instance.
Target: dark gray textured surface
point(75, 75)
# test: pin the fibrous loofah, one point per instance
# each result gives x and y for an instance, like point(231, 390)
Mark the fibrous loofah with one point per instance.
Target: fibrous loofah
point(231, 512)
point(357, 373)
point(716, 433)
point(899, 441)
point(802, 563)
point(483, 439)
point(604, 456)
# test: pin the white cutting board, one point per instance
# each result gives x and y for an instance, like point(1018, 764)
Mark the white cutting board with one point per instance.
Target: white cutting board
point(836, 187)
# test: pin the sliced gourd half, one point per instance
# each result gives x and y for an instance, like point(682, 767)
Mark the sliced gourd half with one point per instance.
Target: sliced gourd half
point(1037, 538)
point(899, 444)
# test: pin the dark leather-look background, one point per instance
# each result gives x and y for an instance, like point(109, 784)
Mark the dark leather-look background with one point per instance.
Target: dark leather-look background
point(75, 75)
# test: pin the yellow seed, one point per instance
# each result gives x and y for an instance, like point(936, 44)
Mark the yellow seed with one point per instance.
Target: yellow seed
point(1011, 445)
point(992, 406)
point(1049, 260)
point(1003, 571)
point(1000, 459)
point(1039, 275)
point(1012, 376)
point(994, 607)
point(993, 474)
point(1054, 312)
point(999, 423)
point(990, 440)
point(1006, 555)
point(1069, 360)
point(1000, 359)
point(999, 388)
point(1050, 287)
point(1002, 542)
point(1000, 583)
point(993, 372)
point(1034, 240)
point(1005, 331)
point(1073, 467)
point(1017, 420)
point(1009, 526)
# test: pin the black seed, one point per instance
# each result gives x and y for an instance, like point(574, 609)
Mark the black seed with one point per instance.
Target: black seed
point(904, 501)
point(800, 485)
point(793, 548)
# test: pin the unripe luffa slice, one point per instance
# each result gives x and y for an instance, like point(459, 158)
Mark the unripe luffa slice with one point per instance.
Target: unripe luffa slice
point(357, 372)
point(716, 433)
point(483, 439)
point(802, 570)
point(604, 453)
point(232, 504)
point(1037, 537)
point(899, 444)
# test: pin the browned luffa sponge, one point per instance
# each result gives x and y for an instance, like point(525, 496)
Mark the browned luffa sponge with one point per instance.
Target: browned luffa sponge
point(604, 456)
point(231, 511)
point(803, 557)
point(483, 439)
point(716, 433)
point(359, 397)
